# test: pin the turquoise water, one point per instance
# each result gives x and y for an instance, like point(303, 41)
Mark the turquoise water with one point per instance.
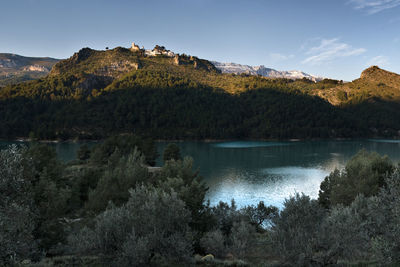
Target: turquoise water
point(272, 171)
point(251, 171)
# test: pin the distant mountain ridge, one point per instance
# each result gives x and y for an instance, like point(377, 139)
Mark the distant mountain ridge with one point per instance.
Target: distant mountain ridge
point(15, 68)
point(263, 71)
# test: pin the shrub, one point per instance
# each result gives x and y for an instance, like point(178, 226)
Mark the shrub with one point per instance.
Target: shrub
point(126, 144)
point(346, 232)
point(242, 238)
point(171, 152)
point(83, 153)
point(122, 174)
point(214, 242)
point(151, 223)
point(364, 174)
point(260, 215)
point(386, 244)
point(17, 210)
point(295, 229)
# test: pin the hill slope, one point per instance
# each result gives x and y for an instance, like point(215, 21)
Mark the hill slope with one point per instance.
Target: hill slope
point(15, 68)
point(374, 84)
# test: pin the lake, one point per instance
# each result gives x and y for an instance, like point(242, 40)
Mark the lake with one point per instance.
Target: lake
point(251, 171)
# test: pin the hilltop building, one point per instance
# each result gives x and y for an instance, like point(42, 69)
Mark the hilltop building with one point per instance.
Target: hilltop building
point(135, 47)
point(159, 50)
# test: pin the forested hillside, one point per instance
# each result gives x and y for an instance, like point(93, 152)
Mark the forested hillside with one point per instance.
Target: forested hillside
point(95, 94)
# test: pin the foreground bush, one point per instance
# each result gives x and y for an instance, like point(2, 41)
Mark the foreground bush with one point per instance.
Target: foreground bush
point(152, 226)
point(295, 229)
point(17, 209)
point(386, 244)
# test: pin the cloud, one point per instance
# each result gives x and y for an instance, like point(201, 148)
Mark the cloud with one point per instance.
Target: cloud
point(279, 57)
point(330, 49)
point(374, 6)
point(378, 61)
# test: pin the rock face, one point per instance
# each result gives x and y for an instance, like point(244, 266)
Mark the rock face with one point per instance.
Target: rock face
point(37, 68)
point(94, 69)
point(263, 71)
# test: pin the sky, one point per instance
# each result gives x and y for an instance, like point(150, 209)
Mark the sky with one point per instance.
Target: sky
point(330, 38)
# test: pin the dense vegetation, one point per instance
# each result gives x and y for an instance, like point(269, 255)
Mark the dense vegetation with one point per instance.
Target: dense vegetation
point(109, 208)
point(95, 94)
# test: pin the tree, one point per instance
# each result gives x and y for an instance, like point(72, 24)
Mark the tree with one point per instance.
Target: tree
point(17, 208)
point(386, 243)
point(171, 152)
point(122, 173)
point(242, 238)
point(295, 229)
point(346, 232)
point(214, 242)
point(152, 226)
point(51, 192)
point(83, 152)
point(259, 215)
point(364, 174)
point(125, 144)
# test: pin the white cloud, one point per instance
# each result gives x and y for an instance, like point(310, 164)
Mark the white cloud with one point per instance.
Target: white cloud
point(374, 6)
point(279, 57)
point(330, 49)
point(380, 61)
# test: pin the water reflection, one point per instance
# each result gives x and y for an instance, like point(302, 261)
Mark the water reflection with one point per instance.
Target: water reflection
point(272, 171)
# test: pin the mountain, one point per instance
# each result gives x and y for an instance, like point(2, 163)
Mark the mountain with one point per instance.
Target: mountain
point(164, 95)
point(374, 84)
point(263, 71)
point(15, 68)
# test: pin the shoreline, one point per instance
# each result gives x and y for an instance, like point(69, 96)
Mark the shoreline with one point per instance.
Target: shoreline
point(207, 140)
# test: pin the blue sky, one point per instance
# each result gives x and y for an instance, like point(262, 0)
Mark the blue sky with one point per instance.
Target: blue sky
point(331, 38)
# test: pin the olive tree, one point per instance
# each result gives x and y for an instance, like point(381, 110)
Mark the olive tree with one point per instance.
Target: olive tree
point(295, 229)
point(152, 226)
point(17, 212)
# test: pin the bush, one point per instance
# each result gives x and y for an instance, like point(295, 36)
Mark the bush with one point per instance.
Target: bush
point(260, 215)
point(295, 229)
point(171, 152)
point(346, 232)
point(151, 223)
point(242, 239)
point(83, 152)
point(214, 242)
point(386, 243)
point(122, 174)
point(17, 209)
point(180, 177)
point(126, 144)
point(364, 174)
